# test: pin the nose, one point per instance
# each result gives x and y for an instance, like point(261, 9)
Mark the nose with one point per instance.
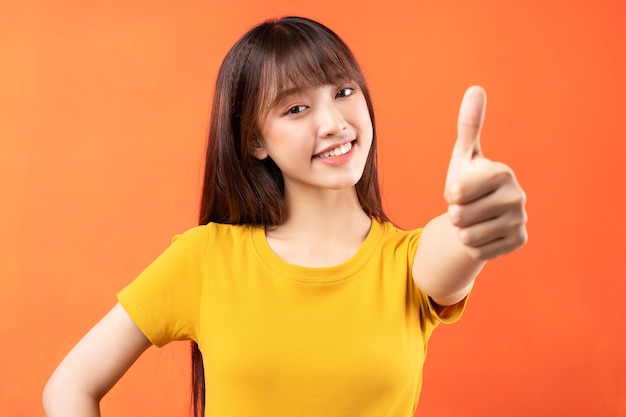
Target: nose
point(331, 120)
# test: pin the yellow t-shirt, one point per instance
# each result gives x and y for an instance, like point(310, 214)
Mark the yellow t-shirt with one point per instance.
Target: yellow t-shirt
point(282, 340)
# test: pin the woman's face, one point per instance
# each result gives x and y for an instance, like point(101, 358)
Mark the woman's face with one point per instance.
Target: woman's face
point(319, 137)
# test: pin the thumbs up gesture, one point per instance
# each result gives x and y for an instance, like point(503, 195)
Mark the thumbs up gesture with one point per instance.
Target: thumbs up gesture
point(485, 202)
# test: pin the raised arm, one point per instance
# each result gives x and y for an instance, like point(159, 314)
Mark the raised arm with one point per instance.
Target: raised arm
point(485, 219)
point(93, 366)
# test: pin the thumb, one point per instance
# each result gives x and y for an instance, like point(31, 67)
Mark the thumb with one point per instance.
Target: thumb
point(467, 150)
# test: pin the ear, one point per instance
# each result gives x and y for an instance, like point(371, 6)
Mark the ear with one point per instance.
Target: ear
point(257, 149)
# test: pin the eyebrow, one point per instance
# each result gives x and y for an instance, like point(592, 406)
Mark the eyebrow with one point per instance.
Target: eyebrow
point(282, 95)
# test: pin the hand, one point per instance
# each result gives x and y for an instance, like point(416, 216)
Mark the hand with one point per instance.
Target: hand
point(485, 202)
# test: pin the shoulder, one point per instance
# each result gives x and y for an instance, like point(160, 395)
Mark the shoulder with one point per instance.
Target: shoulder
point(207, 232)
point(392, 233)
point(398, 243)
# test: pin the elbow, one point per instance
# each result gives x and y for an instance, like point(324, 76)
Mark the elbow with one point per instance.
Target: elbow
point(449, 299)
point(47, 398)
point(64, 398)
point(53, 396)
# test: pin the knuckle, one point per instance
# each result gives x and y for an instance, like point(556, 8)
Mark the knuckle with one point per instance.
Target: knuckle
point(522, 196)
point(516, 239)
point(519, 220)
point(505, 175)
point(455, 192)
point(480, 254)
point(456, 215)
point(515, 200)
point(465, 237)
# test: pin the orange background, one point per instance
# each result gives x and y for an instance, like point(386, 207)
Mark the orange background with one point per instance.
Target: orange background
point(103, 113)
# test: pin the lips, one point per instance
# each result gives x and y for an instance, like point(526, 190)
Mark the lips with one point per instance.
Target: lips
point(337, 151)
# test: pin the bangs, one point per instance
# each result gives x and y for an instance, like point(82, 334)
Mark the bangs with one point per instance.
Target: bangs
point(296, 62)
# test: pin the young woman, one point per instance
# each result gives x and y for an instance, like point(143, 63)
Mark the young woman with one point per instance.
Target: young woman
point(299, 296)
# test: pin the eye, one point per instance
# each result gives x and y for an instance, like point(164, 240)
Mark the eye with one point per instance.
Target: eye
point(345, 92)
point(296, 109)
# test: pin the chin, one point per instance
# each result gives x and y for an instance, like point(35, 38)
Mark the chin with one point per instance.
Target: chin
point(342, 185)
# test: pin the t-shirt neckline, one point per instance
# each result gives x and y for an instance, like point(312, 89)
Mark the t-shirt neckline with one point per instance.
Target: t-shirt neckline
point(317, 274)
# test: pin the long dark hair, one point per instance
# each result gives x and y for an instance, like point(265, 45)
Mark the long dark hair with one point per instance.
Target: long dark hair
point(273, 57)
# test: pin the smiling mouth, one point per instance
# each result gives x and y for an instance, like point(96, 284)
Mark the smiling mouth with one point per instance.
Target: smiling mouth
point(338, 151)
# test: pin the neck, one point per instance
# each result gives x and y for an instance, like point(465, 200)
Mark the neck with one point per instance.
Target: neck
point(323, 228)
point(325, 213)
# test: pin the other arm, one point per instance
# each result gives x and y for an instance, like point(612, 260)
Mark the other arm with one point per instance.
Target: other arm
point(93, 366)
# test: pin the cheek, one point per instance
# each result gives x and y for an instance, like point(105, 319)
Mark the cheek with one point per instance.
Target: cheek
point(281, 141)
point(365, 123)
point(362, 114)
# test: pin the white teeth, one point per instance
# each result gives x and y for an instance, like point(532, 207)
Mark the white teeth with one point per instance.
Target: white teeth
point(338, 151)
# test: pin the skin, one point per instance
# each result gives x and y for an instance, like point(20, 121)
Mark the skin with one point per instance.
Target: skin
point(326, 225)
point(486, 217)
point(305, 124)
point(79, 382)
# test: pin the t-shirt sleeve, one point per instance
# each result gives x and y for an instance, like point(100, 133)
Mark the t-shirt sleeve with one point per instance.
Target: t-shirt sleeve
point(430, 312)
point(164, 300)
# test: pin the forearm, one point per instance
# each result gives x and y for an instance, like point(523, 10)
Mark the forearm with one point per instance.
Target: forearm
point(487, 208)
point(70, 392)
point(443, 268)
point(93, 366)
point(62, 398)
